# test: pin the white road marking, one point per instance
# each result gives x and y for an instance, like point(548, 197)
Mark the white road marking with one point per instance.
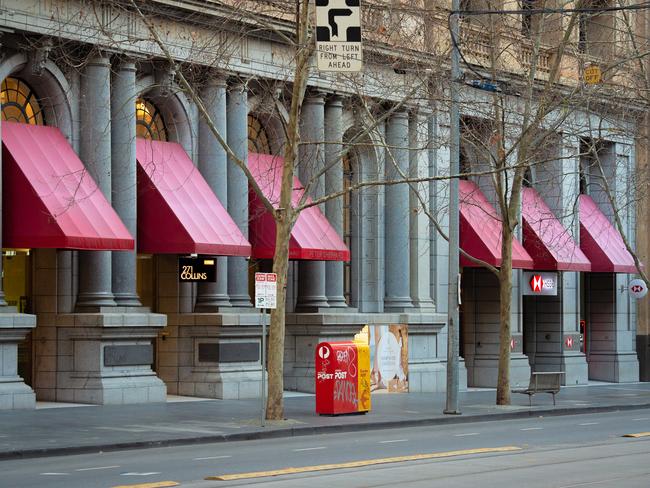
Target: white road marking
point(55, 474)
point(642, 418)
point(151, 473)
point(589, 423)
point(393, 440)
point(211, 457)
point(533, 428)
point(468, 433)
point(310, 449)
point(98, 467)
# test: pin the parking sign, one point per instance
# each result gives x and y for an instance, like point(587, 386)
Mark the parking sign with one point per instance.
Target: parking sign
point(266, 290)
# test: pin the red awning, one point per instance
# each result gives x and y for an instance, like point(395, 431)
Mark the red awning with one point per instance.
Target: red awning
point(601, 242)
point(312, 236)
point(177, 211)
point(546, 239)
point(480, 230)
point(49, 199)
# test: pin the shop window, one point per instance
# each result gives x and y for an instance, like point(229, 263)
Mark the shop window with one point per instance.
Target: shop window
point(149, 121)
point(20, 103)
point(258, 138)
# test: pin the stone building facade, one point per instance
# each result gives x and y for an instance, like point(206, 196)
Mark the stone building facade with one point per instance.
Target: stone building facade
point(104, 319)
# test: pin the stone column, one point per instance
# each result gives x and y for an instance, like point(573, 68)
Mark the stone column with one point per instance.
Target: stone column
point(95, 283)
point(213, 165)
point(123, 179)
point(237, 123)
point(418, 221)
point(333, 183)
point(397, 274)
point(311, 157)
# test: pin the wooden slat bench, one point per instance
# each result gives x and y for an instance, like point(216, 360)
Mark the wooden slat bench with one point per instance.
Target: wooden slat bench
point(542, 382)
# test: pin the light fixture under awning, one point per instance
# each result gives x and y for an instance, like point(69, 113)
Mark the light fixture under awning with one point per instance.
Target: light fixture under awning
point(601, 242)
point(177, 211)
point(545, 238)
point(480, 230)
point(49, 198)
point(312, 236)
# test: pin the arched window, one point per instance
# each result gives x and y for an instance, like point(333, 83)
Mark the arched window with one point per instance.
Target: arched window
point(258, 139)
point(149, 121)
point(20, 103)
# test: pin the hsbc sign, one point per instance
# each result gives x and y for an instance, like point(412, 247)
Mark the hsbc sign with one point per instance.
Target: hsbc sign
point(539, 283)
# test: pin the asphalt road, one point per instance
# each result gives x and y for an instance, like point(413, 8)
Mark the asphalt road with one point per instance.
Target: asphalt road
point(567, 452)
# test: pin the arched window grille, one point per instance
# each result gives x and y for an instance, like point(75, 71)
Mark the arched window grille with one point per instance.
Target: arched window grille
point(149, 121)
point(20, 103)
point(258, 139)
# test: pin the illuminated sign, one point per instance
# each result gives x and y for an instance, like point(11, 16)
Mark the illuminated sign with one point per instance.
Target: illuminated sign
point(539, 283)
point(200, 270)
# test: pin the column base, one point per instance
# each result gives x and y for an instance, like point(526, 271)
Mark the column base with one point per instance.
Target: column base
point(92, 302)
point(14, 393)
point(398, 304)
point(312, 304)
point(614, 367)
point(106, 358)
point(212, 355)
point(127, 300)
point(241, 301)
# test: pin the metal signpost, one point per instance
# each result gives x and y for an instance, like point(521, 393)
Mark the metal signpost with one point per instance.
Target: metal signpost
point(266, 297)
point(338, 35)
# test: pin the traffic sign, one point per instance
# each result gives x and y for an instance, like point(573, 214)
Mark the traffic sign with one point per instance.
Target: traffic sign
point(266, 290)
point(593, 74)
point(638, 288)
point(338, 35)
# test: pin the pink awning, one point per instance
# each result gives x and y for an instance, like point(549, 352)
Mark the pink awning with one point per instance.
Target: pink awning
point(48, 198)
point(480, 230)
point(546, 239)
point(312, 237)
point(601, 242)
point(177, 211)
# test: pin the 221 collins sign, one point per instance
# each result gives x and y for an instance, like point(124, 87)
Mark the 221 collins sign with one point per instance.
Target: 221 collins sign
point(200, 270)
point(539, 283)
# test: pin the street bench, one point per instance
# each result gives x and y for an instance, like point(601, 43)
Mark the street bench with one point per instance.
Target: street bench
point(542, 382)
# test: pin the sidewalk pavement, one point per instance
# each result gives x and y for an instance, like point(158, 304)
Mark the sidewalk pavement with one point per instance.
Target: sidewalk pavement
point(86, 429)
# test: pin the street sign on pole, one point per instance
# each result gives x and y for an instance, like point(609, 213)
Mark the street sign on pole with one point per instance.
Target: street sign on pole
point(266, 297)
point(266, 290)
point(338, 35)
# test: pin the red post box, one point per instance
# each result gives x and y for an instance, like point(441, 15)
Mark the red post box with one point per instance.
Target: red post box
point(342, 378)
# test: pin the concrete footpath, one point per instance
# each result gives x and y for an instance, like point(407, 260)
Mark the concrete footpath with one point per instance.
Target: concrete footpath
point(60, 430)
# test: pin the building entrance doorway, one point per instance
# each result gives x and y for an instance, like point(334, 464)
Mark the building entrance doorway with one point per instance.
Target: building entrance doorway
point(17, 285)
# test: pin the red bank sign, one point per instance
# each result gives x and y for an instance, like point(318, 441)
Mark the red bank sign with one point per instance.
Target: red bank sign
point(539, 283)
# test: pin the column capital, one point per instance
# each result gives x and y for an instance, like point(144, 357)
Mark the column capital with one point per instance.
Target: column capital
point(315, 96)
point(100, 58)
point(335, 100)
point(126, 63)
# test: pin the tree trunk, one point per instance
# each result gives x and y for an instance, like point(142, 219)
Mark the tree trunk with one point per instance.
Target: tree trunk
point(505, 297)
point(275, 404)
